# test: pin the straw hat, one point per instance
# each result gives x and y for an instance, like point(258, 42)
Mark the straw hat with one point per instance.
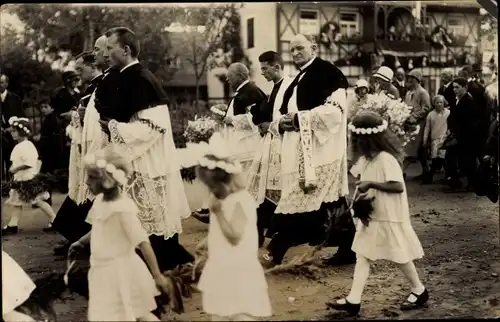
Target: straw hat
point(361, 83)
point(384, 73)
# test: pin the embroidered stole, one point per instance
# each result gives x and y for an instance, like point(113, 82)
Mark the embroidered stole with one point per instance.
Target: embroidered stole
point(307, 172)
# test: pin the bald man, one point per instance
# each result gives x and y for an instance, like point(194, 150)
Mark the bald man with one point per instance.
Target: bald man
point(400, 81)
point(313, 125)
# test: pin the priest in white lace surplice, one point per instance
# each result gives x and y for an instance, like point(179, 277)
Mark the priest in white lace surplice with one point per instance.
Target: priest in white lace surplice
point(156, 184)
point(313, 126)
point(70, 219)
point(243, 115)
point(263, 181)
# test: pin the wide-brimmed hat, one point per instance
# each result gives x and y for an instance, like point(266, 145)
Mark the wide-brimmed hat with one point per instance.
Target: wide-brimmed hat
point(361, 83)
point(416, 74)
point(384, 73)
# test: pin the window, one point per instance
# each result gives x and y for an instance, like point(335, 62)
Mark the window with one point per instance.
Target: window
point(309, 22)
point(349, 23)
point(456, 24)
point(250, 33)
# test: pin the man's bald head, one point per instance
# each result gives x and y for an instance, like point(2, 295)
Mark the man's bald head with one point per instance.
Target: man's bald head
point(447, 75)
point(302, 48)
point(4, 83)
point(237, 73)
point(100, 52)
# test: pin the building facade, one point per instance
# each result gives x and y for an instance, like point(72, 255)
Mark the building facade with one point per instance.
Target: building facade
point(358, 36)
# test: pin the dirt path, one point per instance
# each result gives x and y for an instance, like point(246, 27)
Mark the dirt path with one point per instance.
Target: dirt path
point(459, 233)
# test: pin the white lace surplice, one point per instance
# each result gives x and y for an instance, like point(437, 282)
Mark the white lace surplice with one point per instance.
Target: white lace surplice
point(156, 185)
point(328, 124)
point(75, 158)
point(93, 140)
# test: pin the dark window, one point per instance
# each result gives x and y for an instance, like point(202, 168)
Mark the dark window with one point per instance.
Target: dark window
point(250, 33)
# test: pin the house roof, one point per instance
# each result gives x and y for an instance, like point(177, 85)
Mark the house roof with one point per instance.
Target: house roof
point(185, 75)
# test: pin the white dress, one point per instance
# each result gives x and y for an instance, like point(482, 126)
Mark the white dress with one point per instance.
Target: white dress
point(16, 284)
point(25, 190)
point(390, 234)
point(121, 287)
point(233, 280)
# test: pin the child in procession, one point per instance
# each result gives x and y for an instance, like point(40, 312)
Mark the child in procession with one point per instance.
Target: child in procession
point(233, 283)
point(27, 189)
point(435, 132)
point(389, 235)
point(16, 289)
point(121, 288)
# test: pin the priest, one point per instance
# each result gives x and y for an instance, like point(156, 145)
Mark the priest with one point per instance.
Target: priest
point(144, 130)
point(70, 219)
point(313, 127)
point(263, 180)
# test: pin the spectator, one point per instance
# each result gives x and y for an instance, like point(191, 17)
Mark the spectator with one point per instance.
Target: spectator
point(10, 105)
point(400, 81)
point(447, 88)
point(382, 82)
point(67, 96)
point(51, 140)
point(419, 99)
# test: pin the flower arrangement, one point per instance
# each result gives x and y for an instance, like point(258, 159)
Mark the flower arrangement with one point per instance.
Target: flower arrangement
point(395, 112)
point(201, 129)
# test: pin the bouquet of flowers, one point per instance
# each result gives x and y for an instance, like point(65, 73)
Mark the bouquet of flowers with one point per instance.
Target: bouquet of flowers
point(200, 130)
point(395, 112)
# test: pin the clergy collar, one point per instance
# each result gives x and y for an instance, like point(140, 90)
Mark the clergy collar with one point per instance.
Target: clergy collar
point(242, 84)
point(470, 79)
point(307, 64)
point(281, 79)
point(95, 77)
point(135, 61)
point(447, 84)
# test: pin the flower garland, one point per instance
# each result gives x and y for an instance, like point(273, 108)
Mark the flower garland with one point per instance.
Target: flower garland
point(394, 112)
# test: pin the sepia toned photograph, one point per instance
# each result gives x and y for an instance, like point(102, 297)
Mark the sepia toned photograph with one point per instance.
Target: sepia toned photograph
point(250, 161)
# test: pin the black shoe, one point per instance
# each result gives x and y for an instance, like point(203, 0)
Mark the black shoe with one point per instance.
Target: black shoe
point(340, 260)
point(49, 229)
point(202, 215)
point(268, 261)
point(62, 250)
point(420, 302)
point(351, 309)
point(12, 230)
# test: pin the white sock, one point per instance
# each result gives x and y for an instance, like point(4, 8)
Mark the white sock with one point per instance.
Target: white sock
point(14, 218)
point(361, 273)
point(410, 272)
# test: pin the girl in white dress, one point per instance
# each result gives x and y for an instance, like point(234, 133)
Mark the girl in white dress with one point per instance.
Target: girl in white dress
point(121, 288)
point(232, 282)
point(389, 235)
point(16, 289)
point(27, 188)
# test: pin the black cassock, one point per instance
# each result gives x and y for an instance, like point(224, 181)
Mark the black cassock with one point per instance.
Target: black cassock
point(319, 81)
point(138, 89)
point(51, 144)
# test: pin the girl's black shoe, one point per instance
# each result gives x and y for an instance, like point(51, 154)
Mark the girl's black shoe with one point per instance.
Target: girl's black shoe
point(419, 302)
point(9, 230)
point(349, 308)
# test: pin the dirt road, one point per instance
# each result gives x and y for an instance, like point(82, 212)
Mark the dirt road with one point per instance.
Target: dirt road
point(459, 233)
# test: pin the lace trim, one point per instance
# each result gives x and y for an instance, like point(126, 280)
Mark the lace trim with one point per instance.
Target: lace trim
point(331, 186)
point(152, 125)
point(155, 208)
point(115, 134)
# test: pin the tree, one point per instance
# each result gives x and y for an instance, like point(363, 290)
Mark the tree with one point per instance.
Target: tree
point(218, 37)
point(74, 28)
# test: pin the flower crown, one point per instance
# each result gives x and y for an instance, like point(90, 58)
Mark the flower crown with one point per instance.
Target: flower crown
point(211, 155)
point(16, 122)
point(117, 174)
point(373, 130)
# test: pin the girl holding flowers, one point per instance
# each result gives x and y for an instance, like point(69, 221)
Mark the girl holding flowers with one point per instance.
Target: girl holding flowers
point(121, 288)
point(389, 235)
point(27, 188)
point(232, 282)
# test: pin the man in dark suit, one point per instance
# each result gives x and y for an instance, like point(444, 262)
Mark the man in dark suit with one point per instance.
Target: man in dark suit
point(464, 123)
point(447, 88)
point(247, 96)
point(10, 105)
point(400, 82)
point(316, 81)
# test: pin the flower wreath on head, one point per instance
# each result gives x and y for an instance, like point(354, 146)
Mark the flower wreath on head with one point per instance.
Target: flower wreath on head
point(15, 121)
point(373, 130)
point(211, 155)
point(117, 174)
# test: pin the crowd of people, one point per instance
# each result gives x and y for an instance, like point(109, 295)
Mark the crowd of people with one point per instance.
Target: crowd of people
point(278, 168)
